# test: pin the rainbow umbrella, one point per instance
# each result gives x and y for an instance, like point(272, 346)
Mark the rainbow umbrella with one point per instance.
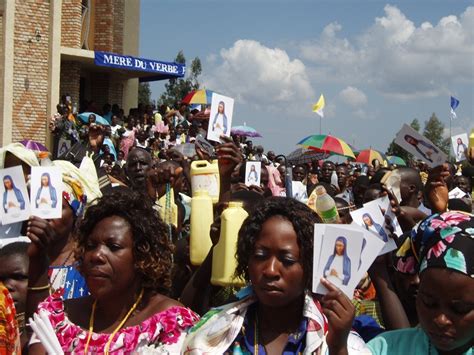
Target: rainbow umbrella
point(366, 156)
point(394, 160)
point(327, 144)
point(202, 97)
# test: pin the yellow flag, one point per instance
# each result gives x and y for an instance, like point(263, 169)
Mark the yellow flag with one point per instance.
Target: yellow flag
point(319, 106)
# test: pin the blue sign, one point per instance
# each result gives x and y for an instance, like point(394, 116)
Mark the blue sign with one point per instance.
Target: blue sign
point(166, 69)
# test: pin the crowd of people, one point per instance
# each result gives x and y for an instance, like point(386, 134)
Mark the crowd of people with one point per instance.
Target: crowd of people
point(113, 274)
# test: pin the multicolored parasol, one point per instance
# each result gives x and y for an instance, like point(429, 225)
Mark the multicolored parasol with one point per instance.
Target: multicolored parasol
point(245, 131)
point(327, 144)
point(367, 156)
point(394, 160)
point(305, 155)
point(202, 97)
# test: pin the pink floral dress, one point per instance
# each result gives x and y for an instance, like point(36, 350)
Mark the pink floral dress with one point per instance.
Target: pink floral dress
point(163, 333)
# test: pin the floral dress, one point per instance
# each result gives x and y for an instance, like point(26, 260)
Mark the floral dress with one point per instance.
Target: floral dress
point(162, 333)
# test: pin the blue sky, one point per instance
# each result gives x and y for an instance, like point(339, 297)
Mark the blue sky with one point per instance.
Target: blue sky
point(378, 64)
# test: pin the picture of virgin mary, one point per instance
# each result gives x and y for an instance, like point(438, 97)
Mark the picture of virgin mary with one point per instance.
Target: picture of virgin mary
point(13, 200)
point(425, 149)
point(338, 266)
point(374, 227)
point(252, 178)
point(46, 197)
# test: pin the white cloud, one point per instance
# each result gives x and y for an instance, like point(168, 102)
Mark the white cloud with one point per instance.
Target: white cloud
point(397, 57)
point(264, 77)
point(353, 96)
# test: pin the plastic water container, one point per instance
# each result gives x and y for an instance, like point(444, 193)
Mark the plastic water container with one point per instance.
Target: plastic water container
point(224, 262)
point(205, 176)
point(471, 139)
point(325, 206)
point(201, 220)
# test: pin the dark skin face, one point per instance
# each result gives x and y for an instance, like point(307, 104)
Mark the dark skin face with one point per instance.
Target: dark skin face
point(108, 265)
point(14, 275)
point(407, 289)
point(326, 171)
point(341, 172)
point(63, 226)
point(445, 306)
point(299, 173)
point(463, 183)
point(138, 162)
point(275, 268)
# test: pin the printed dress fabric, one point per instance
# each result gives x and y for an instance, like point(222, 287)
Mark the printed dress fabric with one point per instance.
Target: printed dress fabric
point(9, 333)
point(220, 330)
point(162, 333)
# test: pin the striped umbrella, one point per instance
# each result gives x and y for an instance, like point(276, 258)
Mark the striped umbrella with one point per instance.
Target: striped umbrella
point(394, 160)
point(202, 97)
point(305, 155)
point(327, 144)
point(366, 156)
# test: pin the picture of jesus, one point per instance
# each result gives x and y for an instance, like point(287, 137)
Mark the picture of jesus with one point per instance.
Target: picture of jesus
point(13, 200)
point(220, 123)
point(425, 149)
point(460, 150)
point(46, 196)
point(338, 266)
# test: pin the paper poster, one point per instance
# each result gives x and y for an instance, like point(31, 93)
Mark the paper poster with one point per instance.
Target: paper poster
point(252, 173)
point(420, 146)
point(390, 219)
point(371, 218)
point(46, 192)
point(366, 248)
point(457, 193)
point(339, 257)
point(15, 201)
point(63, 146)
point(459, 144)
point(220, 119)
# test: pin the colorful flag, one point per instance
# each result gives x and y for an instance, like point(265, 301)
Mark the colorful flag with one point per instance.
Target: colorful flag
point(454, 105)
point(319, 106)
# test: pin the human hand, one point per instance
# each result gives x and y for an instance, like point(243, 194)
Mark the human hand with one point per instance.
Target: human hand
point(11, 204)
point(41, 234)
point(228, 156)
point(157, 178)
point(437, 189)
point(340, 313)
point(333, 273)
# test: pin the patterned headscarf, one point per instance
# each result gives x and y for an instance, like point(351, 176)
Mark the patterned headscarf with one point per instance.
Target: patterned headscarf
point(442, 240)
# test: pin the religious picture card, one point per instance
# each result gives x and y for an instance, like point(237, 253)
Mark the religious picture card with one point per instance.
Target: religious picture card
point(371, 218)
point(337, 252)
point(252, 173)
point(390, 219)
point(420, 146)
point(15, 202)
point(220, 120)
point(459, 144)
point(46, 192)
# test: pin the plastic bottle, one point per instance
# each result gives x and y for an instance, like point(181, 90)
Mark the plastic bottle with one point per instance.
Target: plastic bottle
point(325, 206)
point(224, 262)
point(471, 139)
point(205, 176)
point(44, 159)
point(201, 220)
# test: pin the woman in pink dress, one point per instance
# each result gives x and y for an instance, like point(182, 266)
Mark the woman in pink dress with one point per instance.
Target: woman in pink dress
point(128, 138)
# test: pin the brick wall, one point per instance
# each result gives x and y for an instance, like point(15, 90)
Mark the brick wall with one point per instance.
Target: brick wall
point(30, 83)
point(71, 23)
point(70, 80)
point(104, 20)
point(119, 7)
point(109, 19)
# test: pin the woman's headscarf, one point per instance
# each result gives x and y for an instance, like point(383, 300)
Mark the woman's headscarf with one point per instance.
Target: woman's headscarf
point(21, 152)
point(9, 333)
point(78, 188)
point(442, 240)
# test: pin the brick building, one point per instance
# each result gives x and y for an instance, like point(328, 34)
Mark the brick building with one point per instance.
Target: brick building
point(83, 48)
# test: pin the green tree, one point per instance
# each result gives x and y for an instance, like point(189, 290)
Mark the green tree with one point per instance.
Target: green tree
point(394, 149)
point(144, 93)
point(434, 130)
point(176, 89)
